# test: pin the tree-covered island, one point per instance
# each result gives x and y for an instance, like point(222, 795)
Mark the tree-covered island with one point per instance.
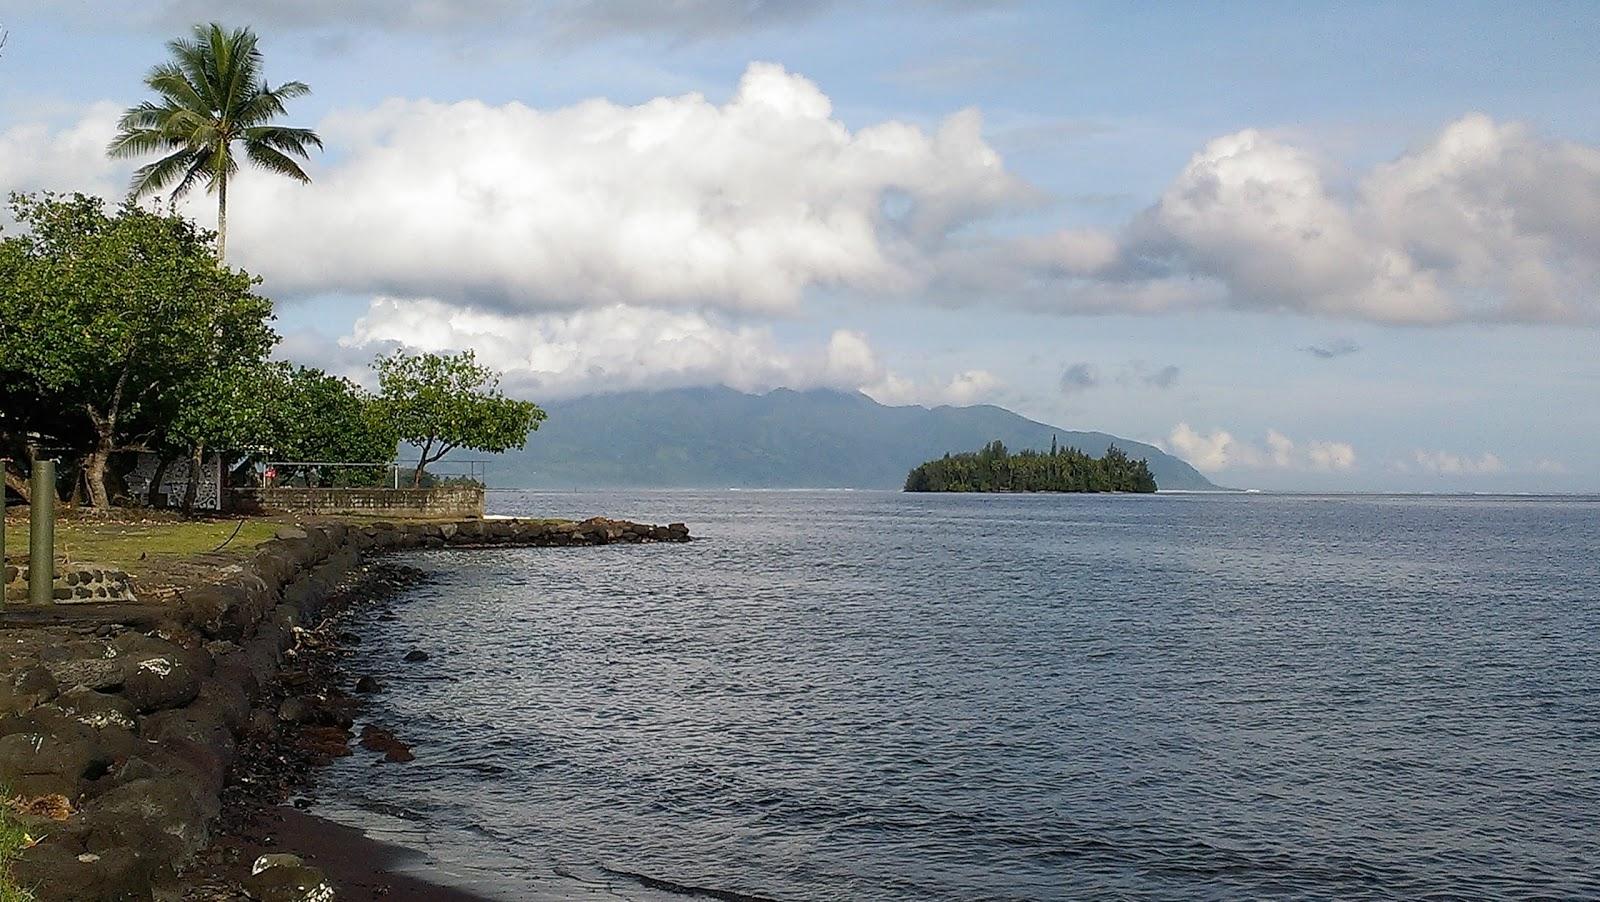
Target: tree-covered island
point(995, 469)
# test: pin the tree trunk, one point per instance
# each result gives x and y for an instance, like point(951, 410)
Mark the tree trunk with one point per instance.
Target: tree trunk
point(16, 482)
point(94, 471)
point(192, 490)
point(422, 463)
point(105, 430)
point(163, 463)
point(222, 218)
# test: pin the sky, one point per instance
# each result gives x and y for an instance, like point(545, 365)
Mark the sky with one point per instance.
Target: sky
point(1346, 246)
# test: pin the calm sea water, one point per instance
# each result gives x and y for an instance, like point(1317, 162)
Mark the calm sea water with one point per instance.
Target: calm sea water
point(881, 696)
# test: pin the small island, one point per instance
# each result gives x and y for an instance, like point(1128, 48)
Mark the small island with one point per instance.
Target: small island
point(994, 469)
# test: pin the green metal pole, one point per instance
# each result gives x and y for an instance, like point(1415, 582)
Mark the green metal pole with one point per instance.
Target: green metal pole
point(42, 533)
point(3, 462)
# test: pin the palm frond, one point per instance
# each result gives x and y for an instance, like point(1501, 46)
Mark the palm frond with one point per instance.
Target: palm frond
point(137, 142)
point(156, 176)
point(173, 83)
point(193, 59)
point(144, 115)
point(289, 90)
point(262, 106)
point(238, 67)
point(188, 127)
point(200, 169)
point(292, 141)
point(274, 161)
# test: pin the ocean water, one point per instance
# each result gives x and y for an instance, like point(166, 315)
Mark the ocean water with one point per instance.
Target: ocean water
point(853, 695)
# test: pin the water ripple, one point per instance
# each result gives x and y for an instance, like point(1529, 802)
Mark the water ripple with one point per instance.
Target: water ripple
point(877, 696)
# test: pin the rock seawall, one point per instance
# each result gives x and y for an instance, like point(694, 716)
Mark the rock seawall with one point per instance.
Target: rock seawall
point(121, 738)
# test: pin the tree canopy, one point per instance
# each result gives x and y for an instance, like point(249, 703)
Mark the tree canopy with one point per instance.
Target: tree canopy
point(441, 402)
point(212, 96)
point(995, 469)
point(109, 319)
point(313, 416)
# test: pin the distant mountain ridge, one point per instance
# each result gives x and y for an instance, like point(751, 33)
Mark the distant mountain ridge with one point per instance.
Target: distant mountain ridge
point(722, 438)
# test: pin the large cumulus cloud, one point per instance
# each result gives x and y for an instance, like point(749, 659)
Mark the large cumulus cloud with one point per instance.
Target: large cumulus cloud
point(753, 204)
point(1485, 222)
point(676, 202)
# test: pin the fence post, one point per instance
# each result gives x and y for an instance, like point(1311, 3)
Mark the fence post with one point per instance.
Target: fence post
point(42, 532)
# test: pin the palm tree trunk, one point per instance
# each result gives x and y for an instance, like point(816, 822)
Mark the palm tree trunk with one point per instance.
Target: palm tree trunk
point(222, 218)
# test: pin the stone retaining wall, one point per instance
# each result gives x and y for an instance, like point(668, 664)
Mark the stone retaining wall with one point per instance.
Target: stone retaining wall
point(136, 730)
point(74, 583)
point(439, 502)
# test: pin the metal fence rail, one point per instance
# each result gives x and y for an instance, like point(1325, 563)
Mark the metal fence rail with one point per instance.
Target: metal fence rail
point(343, 474)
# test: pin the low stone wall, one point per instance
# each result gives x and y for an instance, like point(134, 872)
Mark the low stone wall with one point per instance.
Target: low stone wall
point(437, 503)
point(75, 583)
point(133, 731)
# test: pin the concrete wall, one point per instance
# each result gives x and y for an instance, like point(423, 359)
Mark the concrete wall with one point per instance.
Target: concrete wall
point(440, 502)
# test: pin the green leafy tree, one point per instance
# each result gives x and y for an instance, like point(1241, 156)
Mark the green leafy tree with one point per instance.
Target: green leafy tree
point(109, 321)
point(313, 416)
point(995, 469)
point(223, 410)
point(211, 97)
point(441, 402)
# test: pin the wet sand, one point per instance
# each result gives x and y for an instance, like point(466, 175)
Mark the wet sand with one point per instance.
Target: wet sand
point(360, 867)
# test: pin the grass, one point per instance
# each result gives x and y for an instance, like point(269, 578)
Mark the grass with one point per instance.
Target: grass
point(13, 839)
point(126, 544)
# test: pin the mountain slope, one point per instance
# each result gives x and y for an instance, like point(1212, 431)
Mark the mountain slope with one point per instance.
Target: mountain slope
point(718, 437)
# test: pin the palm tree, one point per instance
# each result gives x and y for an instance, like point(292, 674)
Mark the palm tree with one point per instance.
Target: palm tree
point(211, 97)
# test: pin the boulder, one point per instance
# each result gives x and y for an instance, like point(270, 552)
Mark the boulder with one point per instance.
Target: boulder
point(38, 764)
point(161, 818)
point(380, 740)
point(29, 688)
point(61, 873)
point(99, 710)
point(159, 682)
point(98, 667)
point(297, 709)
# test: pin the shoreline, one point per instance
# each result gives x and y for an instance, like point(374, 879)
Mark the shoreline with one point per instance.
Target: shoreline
point(361, 868)
point(172, 741)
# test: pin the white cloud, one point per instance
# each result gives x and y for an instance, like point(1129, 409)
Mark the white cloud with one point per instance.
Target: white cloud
point(1221, 450)
point(674, 202)
point(752, 203)
point(1212, 452)
point(1446, 463)
point(1488, 221)
point(1331, 455)
point(1550, 467)
point(618, 348)
point(45, 153)
point(965, 388)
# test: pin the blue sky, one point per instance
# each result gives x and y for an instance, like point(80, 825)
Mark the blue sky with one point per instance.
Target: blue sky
point(1341, 246)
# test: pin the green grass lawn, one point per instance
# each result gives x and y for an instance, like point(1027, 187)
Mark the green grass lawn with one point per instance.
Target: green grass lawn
point(127, 543)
